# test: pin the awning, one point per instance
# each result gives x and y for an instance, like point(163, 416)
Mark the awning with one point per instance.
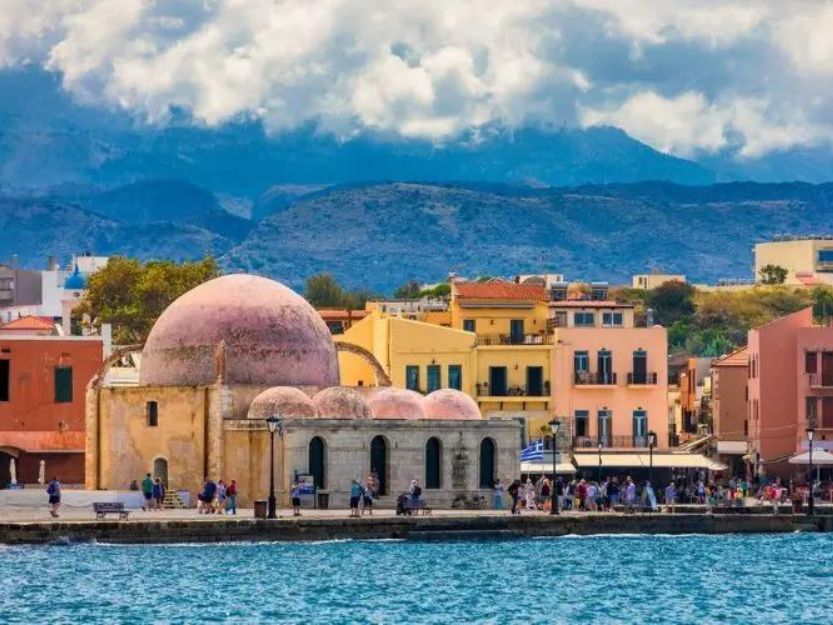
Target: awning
point(734, 448)
point(44, 441)
point(660, 461)
point(546, 467)
point(820, 457)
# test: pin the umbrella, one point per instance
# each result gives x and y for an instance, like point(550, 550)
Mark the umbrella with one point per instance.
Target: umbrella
point(820, 457)
point(12, 472)
point(42, 472)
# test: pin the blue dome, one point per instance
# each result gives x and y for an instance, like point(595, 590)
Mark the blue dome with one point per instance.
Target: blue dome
point(76, 281)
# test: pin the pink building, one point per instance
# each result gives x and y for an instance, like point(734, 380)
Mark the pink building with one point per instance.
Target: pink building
point(790, 387)
point(610, 377)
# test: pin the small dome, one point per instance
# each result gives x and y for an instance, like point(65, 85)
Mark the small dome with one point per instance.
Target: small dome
point(397, 403)
point(448, 403)
point(75, 281)
point(341, 402)
point(284, 401)
point(244, 329)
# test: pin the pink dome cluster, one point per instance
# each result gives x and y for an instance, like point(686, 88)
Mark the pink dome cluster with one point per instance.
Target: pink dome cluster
point(285, 401)
point(341, 402)
point(448, 403)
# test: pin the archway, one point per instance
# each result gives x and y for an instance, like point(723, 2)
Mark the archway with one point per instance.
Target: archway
point(487, 463)
point(317, 462)
point(382, 378)
point(379, 462)
point(160, 470)
point(433, 463)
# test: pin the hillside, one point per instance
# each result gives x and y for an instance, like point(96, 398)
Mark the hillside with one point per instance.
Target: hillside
point(378, 236)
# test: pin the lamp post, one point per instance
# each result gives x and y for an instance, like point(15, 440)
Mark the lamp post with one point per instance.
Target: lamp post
point(810, 507)
point(652, 440)
point(554, 425)
point(600, 462)
point(274, 423)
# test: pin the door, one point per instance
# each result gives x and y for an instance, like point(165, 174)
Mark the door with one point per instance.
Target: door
point(455, 377)
point(432, 463)
point(604, 433)
point(535, 381)
point(516, 330)
point(827, 368)
point(379, 462)
point(316, 462)
point(487, 463)
point(433, 377)
point(604, 367)
point(640, 367)
point(160, 470)
point(497, 381)
point(640, 428)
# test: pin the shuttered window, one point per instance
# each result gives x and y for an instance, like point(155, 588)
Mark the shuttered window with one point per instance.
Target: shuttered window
point(63, 385)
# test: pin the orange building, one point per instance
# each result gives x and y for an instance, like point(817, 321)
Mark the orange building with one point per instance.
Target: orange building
point(43, 382)
point(729, 408)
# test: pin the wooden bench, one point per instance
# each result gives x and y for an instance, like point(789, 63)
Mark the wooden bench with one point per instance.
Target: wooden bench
point(102, 509)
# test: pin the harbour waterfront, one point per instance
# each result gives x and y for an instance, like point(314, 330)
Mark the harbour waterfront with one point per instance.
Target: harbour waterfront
point(600, 579)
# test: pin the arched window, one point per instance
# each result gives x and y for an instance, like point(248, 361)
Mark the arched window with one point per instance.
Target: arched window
point(433, 465)
point(317, 462)
point(487, 463)
point(379, 462)
point(160, 470)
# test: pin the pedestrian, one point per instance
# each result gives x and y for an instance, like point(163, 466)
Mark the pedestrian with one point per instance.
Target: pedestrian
point(581, 494)
point(220, 499)
point(54, 492)
point(498, 495)
point(590, 497)
point(650, 496)
point(355, 495)
point(529, 492)
point(209, 490)
point(415, 493)
point(630, 493)
point(147, 491)
point(514, 492)
point(367, 499)
point(231, 498)
point(670, 497)
point(613, 492)
point(296, 498)
point(158, 493)
point(546, 497)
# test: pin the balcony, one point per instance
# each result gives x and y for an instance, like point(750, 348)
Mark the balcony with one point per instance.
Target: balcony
point(822, 380)
point(611, 442)
point(642, 379)
point(514, 339)
point(513, 393)
point(589, 379)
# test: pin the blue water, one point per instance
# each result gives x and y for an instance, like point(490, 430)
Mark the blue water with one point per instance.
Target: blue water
point(604, 579)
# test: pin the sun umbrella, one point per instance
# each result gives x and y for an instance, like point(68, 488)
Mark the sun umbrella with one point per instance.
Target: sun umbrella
point(12, 472)
point(820, 457)
point(42, 472)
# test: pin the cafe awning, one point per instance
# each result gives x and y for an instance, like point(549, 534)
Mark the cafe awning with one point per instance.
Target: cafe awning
point(563, 468)
point(639, 460)
point(820, 457)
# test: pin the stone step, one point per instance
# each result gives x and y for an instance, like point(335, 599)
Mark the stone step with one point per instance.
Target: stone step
point(172, 501)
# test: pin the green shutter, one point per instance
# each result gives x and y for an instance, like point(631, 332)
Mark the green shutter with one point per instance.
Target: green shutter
point(63, 385)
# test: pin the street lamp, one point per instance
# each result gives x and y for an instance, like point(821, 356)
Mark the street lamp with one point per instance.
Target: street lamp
point(600, 462)
point(810, 507)
point(652, 440)
point(274, 423)
point(554, 425)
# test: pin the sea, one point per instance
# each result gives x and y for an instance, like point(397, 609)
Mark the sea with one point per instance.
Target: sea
point(644, 579)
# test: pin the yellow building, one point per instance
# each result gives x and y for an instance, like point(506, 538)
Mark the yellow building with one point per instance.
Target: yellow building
point(806, 259)
point(497, 349)
point(650, 281)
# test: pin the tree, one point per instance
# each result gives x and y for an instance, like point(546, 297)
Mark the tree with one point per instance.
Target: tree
point(409, 290)
point(323, 291)
point(131, 295)
point(773, 274)
point(672, 301)
point(822, 297)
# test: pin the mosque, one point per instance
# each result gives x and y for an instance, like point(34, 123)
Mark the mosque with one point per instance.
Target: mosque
point(240, 348)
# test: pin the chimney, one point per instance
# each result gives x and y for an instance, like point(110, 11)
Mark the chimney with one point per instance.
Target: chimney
point(51, 263)
point(107, 337)
point(649, 317)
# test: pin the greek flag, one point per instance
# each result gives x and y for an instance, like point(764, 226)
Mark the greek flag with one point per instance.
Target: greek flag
point(533, 452)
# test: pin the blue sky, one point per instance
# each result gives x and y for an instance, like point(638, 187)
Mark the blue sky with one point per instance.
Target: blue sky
point(692, 78)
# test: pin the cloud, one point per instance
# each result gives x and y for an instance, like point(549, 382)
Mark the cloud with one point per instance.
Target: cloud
point(688, 77)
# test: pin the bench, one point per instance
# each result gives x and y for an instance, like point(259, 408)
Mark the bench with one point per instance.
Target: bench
point(420, 505)
point(102, 509)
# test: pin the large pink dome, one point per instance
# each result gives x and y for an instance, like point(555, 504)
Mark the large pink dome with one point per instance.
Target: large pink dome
point(448, 403)
point(270, 336)
point(397, 403)
point(341, 402)
point(283, 401)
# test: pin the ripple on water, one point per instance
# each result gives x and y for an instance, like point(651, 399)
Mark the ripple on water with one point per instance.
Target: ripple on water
point(681, 579)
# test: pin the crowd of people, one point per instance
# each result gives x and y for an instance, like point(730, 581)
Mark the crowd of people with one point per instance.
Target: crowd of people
point(217, 497)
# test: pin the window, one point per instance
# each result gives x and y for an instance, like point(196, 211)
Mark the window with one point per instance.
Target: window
point(827, 412)
point(5, 382)
point(584, 319)
point(605, 419)
point(433, 475)
point(516, 330)
point(640, 428)
point(498, 382)
point(810, 362)
point(581, 362)
point(63, 385)
point(811, 407)
point(433, 377)
point(561, 318)
point(604, 366)
point(582, 423)
point(468, 325)
point(317, 462)
point(826, 256)
point(640, 367)
point(611, 319)
point(412, 377)
point(487, 463)
point(152, 413)
point(535, 381)
point(455, 377)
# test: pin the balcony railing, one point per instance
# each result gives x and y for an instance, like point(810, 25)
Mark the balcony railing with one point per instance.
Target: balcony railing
point(514, 339)
point(582, 378)
point(620, 442)
point(820, 380)
point(646, 378)
point(482, 389)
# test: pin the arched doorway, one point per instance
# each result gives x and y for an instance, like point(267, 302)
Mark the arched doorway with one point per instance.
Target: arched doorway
point(379, 462)
point(487, 463)
point(433, 463)
point(5, 469)
point(160, 470)
point(317, 462)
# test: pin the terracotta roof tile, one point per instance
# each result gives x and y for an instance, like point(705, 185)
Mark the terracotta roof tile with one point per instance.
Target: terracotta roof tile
point(738, 358)
point(332, 314)
point(500, 289)
point(588, 303)
point(30, 322)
